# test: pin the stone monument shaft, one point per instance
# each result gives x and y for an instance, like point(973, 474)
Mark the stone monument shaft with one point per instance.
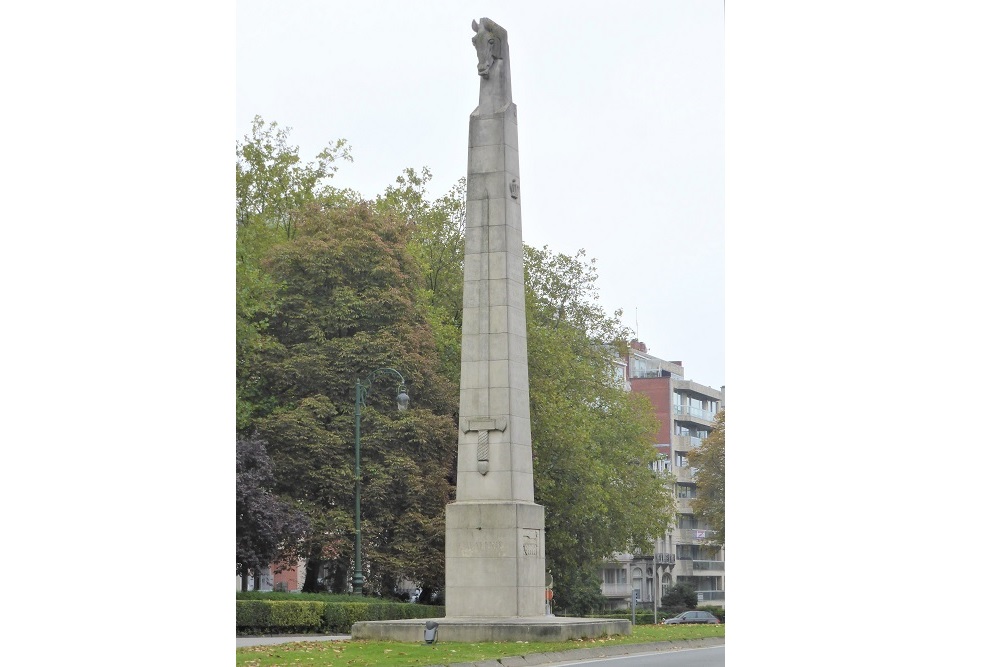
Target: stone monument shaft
point(495, 539)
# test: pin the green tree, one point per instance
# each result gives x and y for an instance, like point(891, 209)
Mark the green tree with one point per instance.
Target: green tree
point(709, 462)
point(592, 439)
point(437, 243)
point(272, 182)
point(679, 598)
point(345, 306)
point(272, 186)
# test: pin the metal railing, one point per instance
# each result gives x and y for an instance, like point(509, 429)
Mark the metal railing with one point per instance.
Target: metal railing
point(695, 534)
point(700, 413)
point(669, 559)
point(709, 564)
point(707, 596)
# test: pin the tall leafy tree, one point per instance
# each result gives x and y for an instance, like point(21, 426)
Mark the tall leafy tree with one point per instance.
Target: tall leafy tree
point(709, 462)
point(346, 306)
point(272, 185)
point(272, 182)
point(437, 244)
point(592, 440)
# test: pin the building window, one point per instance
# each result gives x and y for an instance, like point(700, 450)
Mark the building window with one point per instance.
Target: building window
point(686, 491)
point(682, 460)
point(661, 464)
point(615, 576)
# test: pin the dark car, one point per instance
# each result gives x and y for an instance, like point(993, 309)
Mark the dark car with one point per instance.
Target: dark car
point(691, 617)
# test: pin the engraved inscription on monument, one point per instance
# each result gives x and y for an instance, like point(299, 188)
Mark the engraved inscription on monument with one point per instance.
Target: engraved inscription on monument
point(482, 548)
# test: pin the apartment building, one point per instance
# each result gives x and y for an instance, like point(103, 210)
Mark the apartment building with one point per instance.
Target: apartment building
point(686, 411)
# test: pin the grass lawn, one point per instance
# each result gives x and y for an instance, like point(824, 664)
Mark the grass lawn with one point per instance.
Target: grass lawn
point(363, 653)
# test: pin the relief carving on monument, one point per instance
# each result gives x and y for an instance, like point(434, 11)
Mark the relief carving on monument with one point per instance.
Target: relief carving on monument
point(530, 540)
point(483, 425)
point(493, 67)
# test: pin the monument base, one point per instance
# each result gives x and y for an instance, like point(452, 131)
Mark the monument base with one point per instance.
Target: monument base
point(494, 559)
point(520, 628)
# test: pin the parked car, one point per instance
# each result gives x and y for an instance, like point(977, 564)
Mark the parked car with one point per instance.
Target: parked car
point(691, 617)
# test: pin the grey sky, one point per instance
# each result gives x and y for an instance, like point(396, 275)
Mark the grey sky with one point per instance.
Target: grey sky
point(620, 120)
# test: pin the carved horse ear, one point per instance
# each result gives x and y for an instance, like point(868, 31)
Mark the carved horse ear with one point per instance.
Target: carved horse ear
point(475, 26)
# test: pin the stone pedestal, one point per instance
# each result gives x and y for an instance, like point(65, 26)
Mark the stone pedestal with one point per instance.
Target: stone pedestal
point(546, 629)
point(494, 565)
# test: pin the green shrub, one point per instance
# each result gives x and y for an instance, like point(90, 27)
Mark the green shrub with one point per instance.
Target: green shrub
point(297, 616)
point(679, 598)
point(718, 612)
point(252, 615)
point(279, 616)
point(340, 616)
point(259, 612)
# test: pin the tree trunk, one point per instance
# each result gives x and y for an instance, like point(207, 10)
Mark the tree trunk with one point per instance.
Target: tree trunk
point(311, 584)
point(245, 576)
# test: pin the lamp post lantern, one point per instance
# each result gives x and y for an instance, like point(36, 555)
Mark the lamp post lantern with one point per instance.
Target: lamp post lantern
point(402, 402)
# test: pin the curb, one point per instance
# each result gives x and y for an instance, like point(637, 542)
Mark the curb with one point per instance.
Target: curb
point(532, 659)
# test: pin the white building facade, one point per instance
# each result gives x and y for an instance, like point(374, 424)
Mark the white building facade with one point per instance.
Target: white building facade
point(684, 554)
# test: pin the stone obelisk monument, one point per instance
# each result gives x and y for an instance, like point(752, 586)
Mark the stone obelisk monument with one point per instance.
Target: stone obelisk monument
point(495, 533)
point(495, 538)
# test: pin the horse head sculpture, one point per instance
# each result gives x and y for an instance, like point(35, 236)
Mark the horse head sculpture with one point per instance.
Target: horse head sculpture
point(494, 66)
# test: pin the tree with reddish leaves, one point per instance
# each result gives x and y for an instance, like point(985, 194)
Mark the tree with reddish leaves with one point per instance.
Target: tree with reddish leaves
point(346, 306)
point(267, 528)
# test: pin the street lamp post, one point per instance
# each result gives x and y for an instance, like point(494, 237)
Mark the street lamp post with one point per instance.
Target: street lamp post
point(402, 401)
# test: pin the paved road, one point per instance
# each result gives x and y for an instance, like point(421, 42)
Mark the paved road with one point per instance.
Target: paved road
point(712, 656)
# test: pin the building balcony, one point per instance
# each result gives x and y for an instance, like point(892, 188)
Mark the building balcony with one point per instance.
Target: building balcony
point(694, 535)
point(658, 558)
point(683, 474)
point(616, 590)
point(713, 565)
point(686, 413)
point(711, 596)
point(684, 505)
point(701, 390)
point(685, 443)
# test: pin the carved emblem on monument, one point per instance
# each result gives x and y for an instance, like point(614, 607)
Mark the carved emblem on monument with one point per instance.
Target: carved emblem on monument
point(529, 542)
point(483, 425)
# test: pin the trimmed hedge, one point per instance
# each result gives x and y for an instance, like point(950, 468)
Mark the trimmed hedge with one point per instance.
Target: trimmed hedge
point(293, 616)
